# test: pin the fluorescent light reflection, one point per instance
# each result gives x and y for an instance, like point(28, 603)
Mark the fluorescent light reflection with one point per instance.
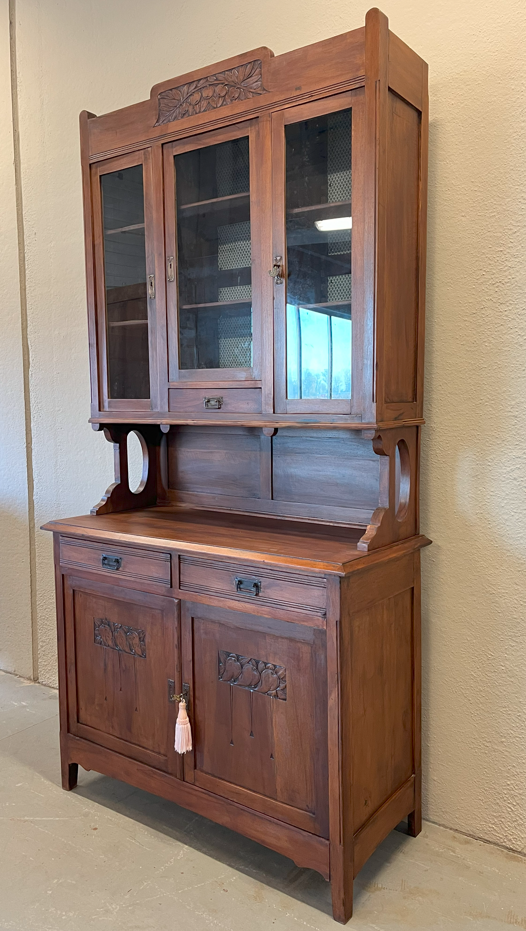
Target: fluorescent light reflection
point(336, 223)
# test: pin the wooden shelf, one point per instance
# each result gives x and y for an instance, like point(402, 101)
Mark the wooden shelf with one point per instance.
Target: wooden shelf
point(124, 229)
point(214, 200)
point(215, 304)
point(127, 323)
point(334, 204)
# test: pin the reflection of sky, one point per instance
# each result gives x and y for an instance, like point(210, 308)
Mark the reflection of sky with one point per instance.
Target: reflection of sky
point(309, 342)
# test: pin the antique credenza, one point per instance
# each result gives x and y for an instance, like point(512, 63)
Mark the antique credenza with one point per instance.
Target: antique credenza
point(255, 249)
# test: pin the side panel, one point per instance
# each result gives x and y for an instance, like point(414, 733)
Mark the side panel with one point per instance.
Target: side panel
point(401, 257)
point(380, 699)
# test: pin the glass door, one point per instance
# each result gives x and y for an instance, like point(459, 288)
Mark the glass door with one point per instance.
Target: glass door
point(313, 208)
point(212, 260)
point(125, 280)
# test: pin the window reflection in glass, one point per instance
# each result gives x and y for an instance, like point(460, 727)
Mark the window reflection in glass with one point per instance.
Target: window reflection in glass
point(318, 354)
point(319, 225)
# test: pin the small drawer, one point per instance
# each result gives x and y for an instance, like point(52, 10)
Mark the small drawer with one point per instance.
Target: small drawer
point(116, 562)
point(250, 585)
point(215, 400)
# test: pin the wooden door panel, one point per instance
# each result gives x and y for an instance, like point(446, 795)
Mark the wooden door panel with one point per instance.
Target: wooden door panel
point(125, 649)
point(259, 715)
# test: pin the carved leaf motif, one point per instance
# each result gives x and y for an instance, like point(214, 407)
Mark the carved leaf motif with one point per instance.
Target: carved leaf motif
point(256, 675)
point(120, 638)
point(269, 680)
point(215, 90)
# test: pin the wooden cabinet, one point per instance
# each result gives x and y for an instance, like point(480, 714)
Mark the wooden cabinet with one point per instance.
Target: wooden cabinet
point(255, 253)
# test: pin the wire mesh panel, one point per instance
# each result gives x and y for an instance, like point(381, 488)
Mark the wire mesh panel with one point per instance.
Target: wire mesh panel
point(125, 283)
point(214, 256)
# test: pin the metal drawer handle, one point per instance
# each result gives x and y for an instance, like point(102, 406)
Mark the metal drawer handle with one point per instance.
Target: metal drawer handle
point(213, 404)
point(248, 586)
point(111, 562)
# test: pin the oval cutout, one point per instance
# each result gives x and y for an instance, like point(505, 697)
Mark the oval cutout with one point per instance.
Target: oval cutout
point(402, 480)
point(137, 462)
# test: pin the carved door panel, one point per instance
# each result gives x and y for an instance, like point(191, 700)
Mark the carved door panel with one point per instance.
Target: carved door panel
point(122, 650)
point(259, 713)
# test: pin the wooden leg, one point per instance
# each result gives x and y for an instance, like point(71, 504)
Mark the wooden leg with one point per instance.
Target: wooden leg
point(414, 821)
point(70, 773)
point(341, 885)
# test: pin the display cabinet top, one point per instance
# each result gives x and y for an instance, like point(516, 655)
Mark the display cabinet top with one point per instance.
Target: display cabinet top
point(250, 83)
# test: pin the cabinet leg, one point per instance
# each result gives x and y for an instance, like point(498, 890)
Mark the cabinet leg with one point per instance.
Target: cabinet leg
point(414, 821)
point(70, 773)
point(341, 903)
point(341, 885)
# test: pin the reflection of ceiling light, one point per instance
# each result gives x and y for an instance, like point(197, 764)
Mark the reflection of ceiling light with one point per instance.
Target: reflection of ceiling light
point(338, 223)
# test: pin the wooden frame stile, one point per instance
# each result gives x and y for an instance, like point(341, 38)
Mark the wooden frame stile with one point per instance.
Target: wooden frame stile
point(160, 371)
point(340, 760)
point(69, 770)
point(204, 378)
point(84, 118)
point(293, 114)
point(144, 158)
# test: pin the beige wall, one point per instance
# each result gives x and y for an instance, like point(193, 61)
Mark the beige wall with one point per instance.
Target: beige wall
point(106, 54)
point(15, 518)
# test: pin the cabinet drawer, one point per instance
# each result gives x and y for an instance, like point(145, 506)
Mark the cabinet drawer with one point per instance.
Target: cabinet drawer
point(248, 584)
point(225, 400)
point(116, 562)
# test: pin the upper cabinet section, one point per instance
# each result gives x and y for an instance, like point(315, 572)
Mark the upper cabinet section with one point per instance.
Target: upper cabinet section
point(255, 240)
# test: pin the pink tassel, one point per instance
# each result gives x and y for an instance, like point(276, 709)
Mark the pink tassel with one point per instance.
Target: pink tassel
point(183, 731)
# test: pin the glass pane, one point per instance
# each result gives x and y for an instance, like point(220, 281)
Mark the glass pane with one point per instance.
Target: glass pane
point(214, 256)
point(125, 278)
point(319, 223)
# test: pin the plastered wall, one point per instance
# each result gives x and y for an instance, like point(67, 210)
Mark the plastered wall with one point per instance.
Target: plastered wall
point(104, 55)
point(16, 646)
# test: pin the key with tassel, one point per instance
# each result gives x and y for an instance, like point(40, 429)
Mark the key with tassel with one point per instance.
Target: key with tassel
point(183, 728)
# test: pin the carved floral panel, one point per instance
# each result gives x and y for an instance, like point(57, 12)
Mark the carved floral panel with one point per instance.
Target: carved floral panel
point(211, 92)
point(120, 638)
point(253, 674)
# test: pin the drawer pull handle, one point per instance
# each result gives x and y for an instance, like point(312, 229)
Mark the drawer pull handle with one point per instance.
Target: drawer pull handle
point(248, 586)
point(111, 562)
point(213, 404)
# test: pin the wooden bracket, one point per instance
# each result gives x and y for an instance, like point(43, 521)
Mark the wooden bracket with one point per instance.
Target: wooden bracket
point(399, 518)
point(151, 491)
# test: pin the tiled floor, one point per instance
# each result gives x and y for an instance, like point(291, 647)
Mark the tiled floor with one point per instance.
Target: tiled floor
point(107, 856)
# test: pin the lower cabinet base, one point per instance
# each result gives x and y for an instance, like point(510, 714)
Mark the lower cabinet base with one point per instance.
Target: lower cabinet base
point(304, 849)
point(339, 864)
